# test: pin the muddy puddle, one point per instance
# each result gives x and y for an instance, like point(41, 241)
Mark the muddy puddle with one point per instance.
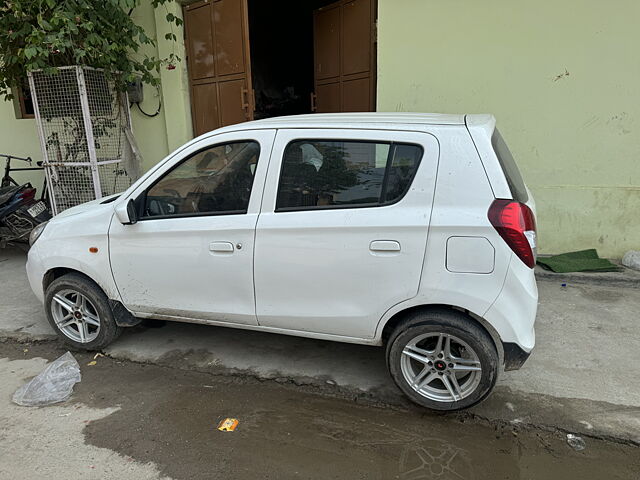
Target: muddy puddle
point(170, 417)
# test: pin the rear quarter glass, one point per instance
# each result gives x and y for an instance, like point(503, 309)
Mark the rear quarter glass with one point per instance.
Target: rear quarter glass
point(509, 167)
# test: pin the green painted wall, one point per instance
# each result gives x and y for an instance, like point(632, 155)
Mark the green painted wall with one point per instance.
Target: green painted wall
point(150, 133)
point(175, 83)
point(19, 137)
point(561, 77)
point(171, 128)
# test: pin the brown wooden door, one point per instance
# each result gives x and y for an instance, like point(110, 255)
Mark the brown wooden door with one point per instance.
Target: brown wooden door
point(344, 57)
point(218, 61)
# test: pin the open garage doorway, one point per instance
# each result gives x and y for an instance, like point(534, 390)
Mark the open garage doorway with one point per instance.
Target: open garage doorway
point(257, 59)
point(312, 56)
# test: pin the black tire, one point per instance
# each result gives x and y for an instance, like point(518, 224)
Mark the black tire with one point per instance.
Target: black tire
point(447, 322)
point(108, 330)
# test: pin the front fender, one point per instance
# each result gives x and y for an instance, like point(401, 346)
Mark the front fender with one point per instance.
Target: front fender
point(93, 265)
point(76, 242)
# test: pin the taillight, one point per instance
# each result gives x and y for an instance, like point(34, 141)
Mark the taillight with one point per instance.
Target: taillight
point(27, 194)
point(516, 224)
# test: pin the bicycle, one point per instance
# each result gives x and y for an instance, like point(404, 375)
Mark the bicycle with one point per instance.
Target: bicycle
point(7, 180)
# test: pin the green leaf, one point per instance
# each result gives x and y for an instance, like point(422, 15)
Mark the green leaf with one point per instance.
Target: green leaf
point(50, 33)
point(30, 52)
point(43, 23)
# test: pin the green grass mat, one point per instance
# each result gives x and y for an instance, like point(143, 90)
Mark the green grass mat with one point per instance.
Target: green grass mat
point(582, 261)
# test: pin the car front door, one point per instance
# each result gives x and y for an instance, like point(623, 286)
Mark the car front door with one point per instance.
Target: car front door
point(190, 255)
point(343, 229)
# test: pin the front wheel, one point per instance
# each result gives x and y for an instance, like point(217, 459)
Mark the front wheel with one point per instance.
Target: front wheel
point(442, 360)
point(79, 312)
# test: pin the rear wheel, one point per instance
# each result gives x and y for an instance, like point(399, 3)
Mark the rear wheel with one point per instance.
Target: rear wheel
point(442, 360)
point(79, 312)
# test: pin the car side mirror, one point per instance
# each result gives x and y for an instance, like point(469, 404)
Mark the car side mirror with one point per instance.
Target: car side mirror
point(127, 213)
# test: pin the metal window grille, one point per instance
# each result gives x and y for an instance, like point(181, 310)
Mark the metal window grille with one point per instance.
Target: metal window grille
point(85, 133)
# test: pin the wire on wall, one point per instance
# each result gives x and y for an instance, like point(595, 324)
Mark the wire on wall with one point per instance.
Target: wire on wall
point(150, 115)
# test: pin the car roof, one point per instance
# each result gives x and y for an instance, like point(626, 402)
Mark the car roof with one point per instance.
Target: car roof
point(373, 120)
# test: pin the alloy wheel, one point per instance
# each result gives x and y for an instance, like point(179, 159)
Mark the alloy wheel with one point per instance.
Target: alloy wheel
point(75, 316)
point(441, 367)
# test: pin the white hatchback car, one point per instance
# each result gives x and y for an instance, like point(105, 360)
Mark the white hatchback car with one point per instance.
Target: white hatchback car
point(412, 231)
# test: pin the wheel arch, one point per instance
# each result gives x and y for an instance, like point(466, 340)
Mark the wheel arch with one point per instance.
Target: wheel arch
point(398, 317)
point(57, 272)
point(122, 316)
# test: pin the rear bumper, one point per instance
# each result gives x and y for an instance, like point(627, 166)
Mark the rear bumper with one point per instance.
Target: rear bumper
point(513, 313)
point(514, 356)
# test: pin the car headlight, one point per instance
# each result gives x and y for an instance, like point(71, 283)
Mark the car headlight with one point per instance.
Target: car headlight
point(36, 232)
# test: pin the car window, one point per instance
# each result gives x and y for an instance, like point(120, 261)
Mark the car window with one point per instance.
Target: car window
point(321, 174)
point(510, 168)
point(216, 180)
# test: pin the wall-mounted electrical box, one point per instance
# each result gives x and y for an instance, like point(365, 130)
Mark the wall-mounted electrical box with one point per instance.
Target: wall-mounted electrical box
point(134, 89)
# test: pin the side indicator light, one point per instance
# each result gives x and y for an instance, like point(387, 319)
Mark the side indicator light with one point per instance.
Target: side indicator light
point(93, 249)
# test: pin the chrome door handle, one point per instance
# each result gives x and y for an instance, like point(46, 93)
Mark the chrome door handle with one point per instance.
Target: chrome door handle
point(384, 246)
point(224, 247)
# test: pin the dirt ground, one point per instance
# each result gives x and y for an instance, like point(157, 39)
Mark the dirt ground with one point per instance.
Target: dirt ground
point(130, 420)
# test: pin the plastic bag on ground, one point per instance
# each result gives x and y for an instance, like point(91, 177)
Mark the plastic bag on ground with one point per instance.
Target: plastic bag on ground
point(53, 385)
point(576, 442)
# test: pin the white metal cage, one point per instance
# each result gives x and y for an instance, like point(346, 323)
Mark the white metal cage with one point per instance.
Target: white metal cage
point(84, 125)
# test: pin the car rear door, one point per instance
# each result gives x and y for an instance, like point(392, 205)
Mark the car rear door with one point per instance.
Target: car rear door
point(343, 227)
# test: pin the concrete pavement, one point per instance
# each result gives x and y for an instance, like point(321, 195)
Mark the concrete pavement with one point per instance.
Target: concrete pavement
point(582, 376)
point(44, 443)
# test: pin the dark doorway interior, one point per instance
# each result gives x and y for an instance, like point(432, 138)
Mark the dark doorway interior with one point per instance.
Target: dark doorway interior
point(281, 39)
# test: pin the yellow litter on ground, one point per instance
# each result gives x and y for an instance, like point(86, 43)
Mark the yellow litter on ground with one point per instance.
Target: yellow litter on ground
point(228, 424)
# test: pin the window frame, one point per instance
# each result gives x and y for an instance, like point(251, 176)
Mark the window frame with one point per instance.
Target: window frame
point(383, 189)
point(20, 106)
point(140, 201)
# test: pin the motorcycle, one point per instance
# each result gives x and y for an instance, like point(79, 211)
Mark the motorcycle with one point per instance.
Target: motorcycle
point(20, 212)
